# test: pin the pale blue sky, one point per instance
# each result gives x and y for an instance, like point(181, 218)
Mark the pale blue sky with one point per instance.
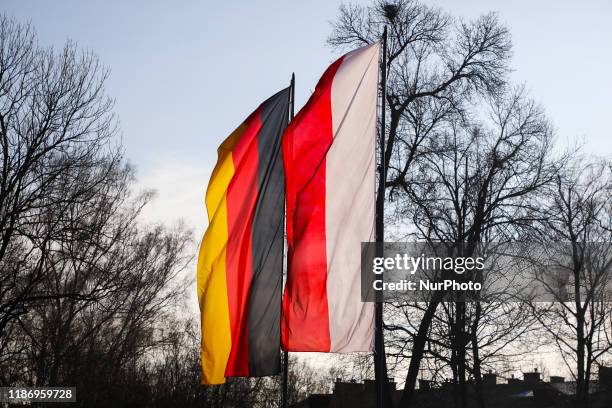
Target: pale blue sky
point(185, 73)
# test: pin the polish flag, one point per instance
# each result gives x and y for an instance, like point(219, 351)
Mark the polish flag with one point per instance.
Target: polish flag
point(329, 159)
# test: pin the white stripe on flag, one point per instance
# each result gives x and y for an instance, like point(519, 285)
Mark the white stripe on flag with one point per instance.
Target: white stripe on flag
point(350, 198)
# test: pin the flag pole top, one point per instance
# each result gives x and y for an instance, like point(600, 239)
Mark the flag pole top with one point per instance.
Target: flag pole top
point(292, 87)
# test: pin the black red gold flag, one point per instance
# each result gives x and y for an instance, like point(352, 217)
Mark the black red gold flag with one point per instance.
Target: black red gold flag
point(240, 262)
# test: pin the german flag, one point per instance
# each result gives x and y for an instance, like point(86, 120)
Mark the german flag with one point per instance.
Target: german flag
point(240, 263)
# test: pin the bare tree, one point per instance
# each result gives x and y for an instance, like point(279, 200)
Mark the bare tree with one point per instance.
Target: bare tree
point(576, 237)
point(56, 125)
point(85, 287)
point(436, 65)
point(477, 183)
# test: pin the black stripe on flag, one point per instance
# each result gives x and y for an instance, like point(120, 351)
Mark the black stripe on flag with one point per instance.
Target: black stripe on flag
point(268, 222)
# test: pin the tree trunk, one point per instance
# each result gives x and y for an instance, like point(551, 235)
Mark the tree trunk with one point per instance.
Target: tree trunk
point(459, 344)
point(476, 356)
point(418, 349)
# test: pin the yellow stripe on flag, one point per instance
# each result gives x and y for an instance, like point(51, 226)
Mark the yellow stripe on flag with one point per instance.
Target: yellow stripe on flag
point(211, 277)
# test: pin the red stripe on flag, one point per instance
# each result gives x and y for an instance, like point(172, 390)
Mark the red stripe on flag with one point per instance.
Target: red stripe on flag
point(305, 319)
point(241, 199)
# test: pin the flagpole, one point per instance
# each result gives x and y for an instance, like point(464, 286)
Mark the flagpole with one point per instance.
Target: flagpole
point(380, 364)
point(285, 359)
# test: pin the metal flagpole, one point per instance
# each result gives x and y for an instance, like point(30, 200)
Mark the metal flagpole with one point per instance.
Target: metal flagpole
point(380, 365)
point(285, 358)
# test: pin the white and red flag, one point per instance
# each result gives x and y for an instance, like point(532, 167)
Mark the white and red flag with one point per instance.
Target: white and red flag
point(329, 158)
